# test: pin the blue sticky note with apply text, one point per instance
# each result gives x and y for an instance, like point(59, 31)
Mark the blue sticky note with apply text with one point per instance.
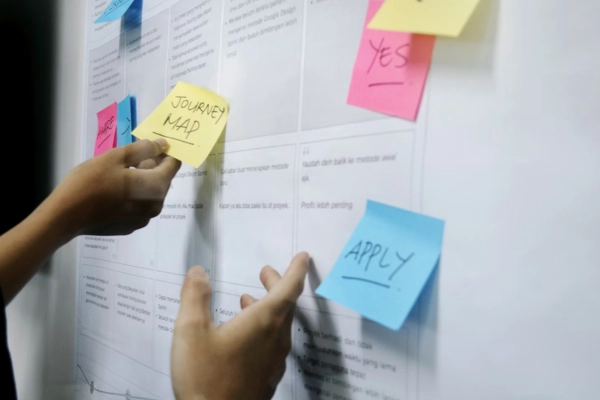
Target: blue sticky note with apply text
point(124, 122)
point(385, 264)
point(115, 10)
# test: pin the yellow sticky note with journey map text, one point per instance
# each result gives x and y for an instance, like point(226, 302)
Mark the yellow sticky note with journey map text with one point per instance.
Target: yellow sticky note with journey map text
point(431, 17)
point(191, 119)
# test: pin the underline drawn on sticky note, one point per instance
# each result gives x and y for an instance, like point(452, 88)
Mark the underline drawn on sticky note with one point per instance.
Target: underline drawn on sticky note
point(106, 137)
point(115, 10)
point(385, 265)
point(431, 17)
point(390, 70)
point(124, 122)
point(191, 119)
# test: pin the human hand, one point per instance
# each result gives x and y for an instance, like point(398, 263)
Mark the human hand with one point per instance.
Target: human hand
point(104, 196)
point(245, 357)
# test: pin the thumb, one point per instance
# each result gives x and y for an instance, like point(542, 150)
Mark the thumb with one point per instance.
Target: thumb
point(139, 151)
point(195, 298)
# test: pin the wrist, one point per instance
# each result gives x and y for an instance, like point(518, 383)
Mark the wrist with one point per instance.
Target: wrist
point(60, 218)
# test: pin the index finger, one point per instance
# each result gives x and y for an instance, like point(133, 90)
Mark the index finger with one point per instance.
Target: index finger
point(290, 287)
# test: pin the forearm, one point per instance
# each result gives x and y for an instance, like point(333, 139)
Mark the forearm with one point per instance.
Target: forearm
point(102, 196)
point(27, 246)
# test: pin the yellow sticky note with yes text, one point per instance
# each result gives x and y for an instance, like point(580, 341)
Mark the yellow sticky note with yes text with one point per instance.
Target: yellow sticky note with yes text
point(191, 119)
point(432, 17)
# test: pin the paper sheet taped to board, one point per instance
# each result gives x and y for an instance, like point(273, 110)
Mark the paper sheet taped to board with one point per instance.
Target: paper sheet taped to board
point(292, 172)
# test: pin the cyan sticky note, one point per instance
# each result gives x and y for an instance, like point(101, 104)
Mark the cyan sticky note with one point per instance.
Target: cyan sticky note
point(385, 264)
point(124, 122)
point(115, 10)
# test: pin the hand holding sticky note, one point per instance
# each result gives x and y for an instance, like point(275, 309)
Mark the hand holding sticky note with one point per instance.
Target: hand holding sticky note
point(385, 264)
point(191, 119)
point(433, 17)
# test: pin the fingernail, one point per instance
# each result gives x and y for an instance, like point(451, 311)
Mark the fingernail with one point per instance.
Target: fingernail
point(198, 271)
point(162, 143)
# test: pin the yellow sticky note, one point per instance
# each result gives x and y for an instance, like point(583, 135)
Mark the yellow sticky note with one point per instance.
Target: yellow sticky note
point(432, 17)
point(191, 119)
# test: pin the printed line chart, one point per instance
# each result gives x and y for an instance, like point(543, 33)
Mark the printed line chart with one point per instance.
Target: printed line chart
point(127, 394)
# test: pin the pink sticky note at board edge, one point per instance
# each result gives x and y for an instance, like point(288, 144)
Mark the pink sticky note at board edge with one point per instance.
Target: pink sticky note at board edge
point(109, 140)
point(397, 100)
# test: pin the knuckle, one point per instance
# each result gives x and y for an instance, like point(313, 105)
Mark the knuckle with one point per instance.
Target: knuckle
point(146, 145)
point(155, 192)
point(204, 288)
point(155, 209)
point(185, 323)
point(198, 285)
point(266, 322)
point(276, 318)
point(115, 154)
point(126, 152)
point(283, 307)
point(195, 283)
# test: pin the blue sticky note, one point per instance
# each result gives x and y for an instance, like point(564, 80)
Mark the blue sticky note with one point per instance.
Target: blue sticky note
point(133, 117)
point(385, 264)
point(124, 122)
point(115, 10)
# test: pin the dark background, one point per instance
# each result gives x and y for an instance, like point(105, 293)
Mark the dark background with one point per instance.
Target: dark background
point(27, 32)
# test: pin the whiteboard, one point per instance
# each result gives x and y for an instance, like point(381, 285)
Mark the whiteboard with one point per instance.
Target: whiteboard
point(505, 150)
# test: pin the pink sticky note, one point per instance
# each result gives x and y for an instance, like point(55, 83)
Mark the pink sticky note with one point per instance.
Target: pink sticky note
point(390, 70)
point(106, 137)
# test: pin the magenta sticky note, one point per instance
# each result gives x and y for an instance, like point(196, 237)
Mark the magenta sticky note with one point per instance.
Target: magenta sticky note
point(390, 70)
point(106, 137)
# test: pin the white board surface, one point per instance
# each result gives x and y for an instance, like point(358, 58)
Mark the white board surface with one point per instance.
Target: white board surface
point(505, 150)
